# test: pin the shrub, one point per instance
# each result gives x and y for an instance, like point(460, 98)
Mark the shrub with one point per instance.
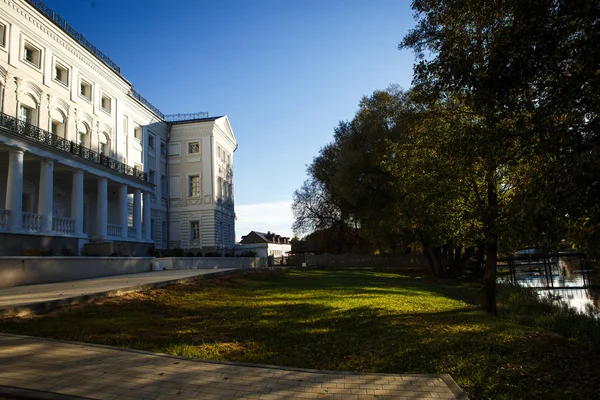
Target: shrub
point(199, 254)
point(189, 254)
point(213, 254)
point(176, 252)
point(65, 251)
point(40, 252)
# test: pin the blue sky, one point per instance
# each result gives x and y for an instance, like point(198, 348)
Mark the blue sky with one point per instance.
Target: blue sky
point(285, 72)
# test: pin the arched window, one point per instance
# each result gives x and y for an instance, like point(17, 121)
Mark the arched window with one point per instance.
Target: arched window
point(58, 123)
point(28, 110)
point(104, 144)
point(83, 135)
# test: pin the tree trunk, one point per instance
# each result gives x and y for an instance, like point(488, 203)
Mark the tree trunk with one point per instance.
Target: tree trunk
point(488, 292)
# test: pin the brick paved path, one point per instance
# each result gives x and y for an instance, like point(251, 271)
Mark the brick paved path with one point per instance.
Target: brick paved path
point(102, 372)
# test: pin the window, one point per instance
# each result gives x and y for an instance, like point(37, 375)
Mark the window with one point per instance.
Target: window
point(103, 146)
point(194, 185)
point(82, 135)
point(2, 35)
point(57, 128)
point(194, 230)
point(151, 141)
point(61, 74)
point(220, 188)
point(194, 148)
point(32, 55)
point(163, 186)
point(219, 151)
point(85, 90)
point(26, 114)
point(137, 133)
point(106, 103)
point(152, 177)
point(163, 148)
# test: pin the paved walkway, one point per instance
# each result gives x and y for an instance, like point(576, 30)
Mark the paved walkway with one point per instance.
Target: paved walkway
point(109, 373)
point(21, 300)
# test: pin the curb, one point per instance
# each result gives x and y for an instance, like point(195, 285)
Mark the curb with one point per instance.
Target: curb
point(43, 307)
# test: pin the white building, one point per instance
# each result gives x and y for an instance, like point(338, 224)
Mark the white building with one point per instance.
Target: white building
point(264, 245)
point(85, 159)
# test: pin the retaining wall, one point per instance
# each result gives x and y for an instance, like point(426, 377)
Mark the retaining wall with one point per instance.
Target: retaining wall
point(211, 262)
point(17, 271)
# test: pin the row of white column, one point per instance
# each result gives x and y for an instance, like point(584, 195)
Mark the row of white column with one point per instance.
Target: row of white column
point(14, 201)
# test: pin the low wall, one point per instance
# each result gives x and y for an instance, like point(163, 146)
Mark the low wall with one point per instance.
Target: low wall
point(212, 262)
point(17, 271)
point(12, 244)
point(416, 261)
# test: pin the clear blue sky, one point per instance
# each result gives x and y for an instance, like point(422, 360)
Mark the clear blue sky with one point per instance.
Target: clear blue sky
point(285, 72)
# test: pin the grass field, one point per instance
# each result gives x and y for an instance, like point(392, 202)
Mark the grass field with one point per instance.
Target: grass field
point(351, 319)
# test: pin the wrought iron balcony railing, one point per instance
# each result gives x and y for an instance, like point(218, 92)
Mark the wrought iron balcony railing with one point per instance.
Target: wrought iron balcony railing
point(145, 102)
point(46, 138)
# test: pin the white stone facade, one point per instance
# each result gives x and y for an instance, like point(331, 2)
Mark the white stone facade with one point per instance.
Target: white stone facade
point(84, 158)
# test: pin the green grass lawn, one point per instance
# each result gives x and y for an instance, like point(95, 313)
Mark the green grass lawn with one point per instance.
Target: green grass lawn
point(350, 319)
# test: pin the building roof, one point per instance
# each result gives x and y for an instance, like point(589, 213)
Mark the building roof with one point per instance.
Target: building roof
point(269, 237)
point(187, 121)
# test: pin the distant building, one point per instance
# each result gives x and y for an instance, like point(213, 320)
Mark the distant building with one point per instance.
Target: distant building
point(85, 159)
point(264, 244)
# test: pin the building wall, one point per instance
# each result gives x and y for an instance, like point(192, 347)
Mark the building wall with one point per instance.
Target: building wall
point(211, 207)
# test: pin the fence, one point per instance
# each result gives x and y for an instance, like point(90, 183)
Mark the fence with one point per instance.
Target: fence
point(416, 261)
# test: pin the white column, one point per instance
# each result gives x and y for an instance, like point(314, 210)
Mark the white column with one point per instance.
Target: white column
point(46, 194)
point(77, 201)
point(102, 209)
point(14, 188)
point(123, 210)
point(147, 214)
point(137, 213)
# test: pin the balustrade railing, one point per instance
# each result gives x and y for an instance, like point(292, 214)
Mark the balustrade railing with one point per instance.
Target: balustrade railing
point(58, 20)
point(38, 135)
point(65, 226)
point(4, 216)
point(131, 232)
point(32, 222)
point(114, 230)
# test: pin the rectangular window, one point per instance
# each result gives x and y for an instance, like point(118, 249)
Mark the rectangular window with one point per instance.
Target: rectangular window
point(2, 35)
point(194, 230)
point(194, 185)
point(151, 141)
point(163, 186)
point(218, 152)
point(152, 177)
point(106, 103)
point(32, 55)
point(25, 114)
point(163, 148)
point(61, 74)
point(85, 90)
point(137, 133)
point(194, 148)
point(220, 188)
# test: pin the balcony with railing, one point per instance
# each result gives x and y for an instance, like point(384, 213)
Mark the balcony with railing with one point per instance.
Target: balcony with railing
point(4, 216)
point(64, 226)
point(131, 232)
point(113, 230)
point(40, 136)
point(31, 222)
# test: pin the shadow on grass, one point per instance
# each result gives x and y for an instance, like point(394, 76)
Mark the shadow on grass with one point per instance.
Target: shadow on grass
point(351, 320)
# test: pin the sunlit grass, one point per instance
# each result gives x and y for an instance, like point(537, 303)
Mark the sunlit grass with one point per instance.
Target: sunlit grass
point(350, 319)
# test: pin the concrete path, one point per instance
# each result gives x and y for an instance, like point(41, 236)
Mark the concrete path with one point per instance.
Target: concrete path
point(22, 300)
point(109, 373)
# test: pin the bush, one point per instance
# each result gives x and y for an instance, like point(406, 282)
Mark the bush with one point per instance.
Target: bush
point(176, 252)
point(213, 254)
point(524, 306)
point(189, 254)
point(41, 252)
point(199, 254)
point(65, 251)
